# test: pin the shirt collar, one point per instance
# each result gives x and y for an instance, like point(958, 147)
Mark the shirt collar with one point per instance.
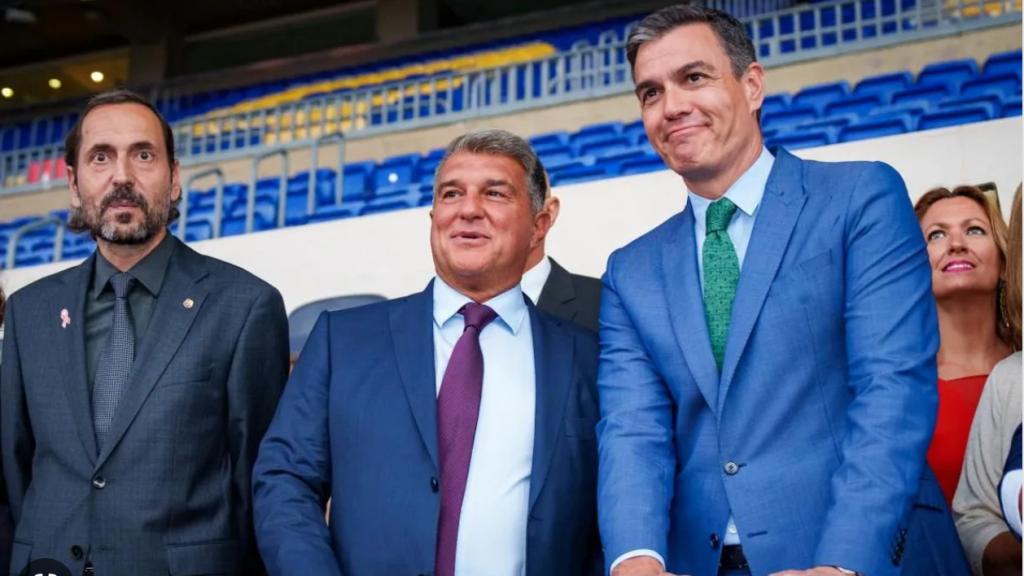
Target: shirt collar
point(746, 192)
point(149, 271)
point(509, 305)
point(534, 279)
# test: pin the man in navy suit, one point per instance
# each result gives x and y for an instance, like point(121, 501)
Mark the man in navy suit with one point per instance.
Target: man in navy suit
point(767, 373)
point(453, 429)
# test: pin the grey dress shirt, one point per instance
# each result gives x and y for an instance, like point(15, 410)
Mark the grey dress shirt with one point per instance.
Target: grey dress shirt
point(99, 300)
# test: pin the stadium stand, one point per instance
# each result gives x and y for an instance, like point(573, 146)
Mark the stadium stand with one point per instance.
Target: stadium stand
point(263, 123)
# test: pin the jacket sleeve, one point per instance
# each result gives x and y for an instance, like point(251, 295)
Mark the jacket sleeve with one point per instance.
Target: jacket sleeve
point(891, 342)
point(17, 444)
point(291, 481)
point(259, 368)
point(636, 462)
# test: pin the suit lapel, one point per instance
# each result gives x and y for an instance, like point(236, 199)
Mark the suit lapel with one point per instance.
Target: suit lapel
point(412, 331)
point(168, 326)
point(685, 302)
point(553, 361)
point(71, 339)
point(558, 294)
point(780, 207)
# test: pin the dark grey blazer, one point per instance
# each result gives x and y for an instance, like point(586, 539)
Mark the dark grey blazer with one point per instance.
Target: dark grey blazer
point(572, 297)
point(171, 492)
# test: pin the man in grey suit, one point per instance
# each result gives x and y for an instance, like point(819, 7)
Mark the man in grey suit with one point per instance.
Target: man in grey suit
point(137, 385)
point(557, 291)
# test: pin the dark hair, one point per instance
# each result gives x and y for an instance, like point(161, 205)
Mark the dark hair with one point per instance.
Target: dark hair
point(504, 143)
point(74, 138)
point(1013, 271)
point(73, 142)
point(2, 304)
point(998, 226)
point(730, 32)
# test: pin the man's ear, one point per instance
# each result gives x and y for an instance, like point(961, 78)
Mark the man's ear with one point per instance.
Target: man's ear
point(753, 86)
point(176, 191)
point(553, 205)
point(542, 222)
point(76, 199)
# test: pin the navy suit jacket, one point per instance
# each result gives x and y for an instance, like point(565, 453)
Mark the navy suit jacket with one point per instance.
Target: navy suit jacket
point(813, 434)
point(357, 424)
point(170, 492)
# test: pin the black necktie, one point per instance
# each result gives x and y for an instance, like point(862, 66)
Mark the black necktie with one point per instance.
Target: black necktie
point(115, 362)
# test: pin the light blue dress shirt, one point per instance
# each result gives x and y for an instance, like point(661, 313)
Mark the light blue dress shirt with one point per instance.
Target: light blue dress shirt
point(492, 525)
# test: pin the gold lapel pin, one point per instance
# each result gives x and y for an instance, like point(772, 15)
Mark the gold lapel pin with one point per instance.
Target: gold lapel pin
point(188, 303)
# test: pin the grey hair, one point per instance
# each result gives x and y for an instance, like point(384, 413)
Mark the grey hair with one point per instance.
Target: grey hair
point(503, 143)
point(730, 31)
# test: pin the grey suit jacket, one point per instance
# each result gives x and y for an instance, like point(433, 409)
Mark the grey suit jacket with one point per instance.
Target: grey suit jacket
point(170, 494)
point(572, 297)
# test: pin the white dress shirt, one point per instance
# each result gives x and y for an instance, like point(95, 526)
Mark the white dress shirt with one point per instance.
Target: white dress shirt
point(746, 194)
point(535, 278)
point(492, 527)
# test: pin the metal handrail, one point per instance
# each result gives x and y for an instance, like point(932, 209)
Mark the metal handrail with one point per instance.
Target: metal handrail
point(218, 200)
point(282, 197)
point(58, 238)
point(339, 186)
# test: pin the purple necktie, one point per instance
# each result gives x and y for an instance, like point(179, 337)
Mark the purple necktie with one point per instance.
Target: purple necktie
point(458, 406)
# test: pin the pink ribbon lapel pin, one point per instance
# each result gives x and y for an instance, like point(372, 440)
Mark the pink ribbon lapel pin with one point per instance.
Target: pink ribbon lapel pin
point(65, 318)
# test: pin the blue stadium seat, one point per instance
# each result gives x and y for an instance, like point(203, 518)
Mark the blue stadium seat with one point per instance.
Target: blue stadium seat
point(955, 116)
point(328, 213)
point(397, 170)
point(994, 101)
point(774, 103)
point(602, 132)
point(950, 73)
point(876, 127)
point(610, 145)
point(642, 165)
point(543, 142)
point(926, 95)
point(1004, 63)
point(573, 174)
point(1011, 107)
point(1003, 84)
point(635, 133)
point(612, 163)
point(428, 165)
point(356, 180)
point(794, 116)
point(387, 205)
point(832, 123)
point(821, 95)
point(801, 139)
point(556, 156)
point(856, 105)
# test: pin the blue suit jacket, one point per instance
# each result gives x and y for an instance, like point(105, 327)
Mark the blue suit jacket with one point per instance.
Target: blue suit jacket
point(814, 433)
point(357, 423)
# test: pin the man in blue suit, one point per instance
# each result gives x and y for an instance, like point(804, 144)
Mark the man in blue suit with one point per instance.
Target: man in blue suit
point(452, 430)
point(767, 372)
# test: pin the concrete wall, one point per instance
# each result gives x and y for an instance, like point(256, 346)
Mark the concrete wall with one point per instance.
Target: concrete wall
point(389, 253)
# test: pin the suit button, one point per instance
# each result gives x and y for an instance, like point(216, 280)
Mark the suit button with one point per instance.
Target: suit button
point(99, 482)
point(76, 552)
point(434, 484)
point(714, 541)
point(731, 468)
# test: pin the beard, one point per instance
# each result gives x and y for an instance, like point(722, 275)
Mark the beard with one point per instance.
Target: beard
point(121, 228)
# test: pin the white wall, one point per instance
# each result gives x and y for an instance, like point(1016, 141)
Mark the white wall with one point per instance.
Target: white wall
point(389, 254)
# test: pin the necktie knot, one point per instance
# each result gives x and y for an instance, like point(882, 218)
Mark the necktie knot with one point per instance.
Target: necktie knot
point(477, 315)
point(719, 214)
point(122, 283)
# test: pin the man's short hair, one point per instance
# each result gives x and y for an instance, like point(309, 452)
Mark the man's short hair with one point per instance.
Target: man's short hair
point(73, 141)
point(503, 143)
point(730, 32)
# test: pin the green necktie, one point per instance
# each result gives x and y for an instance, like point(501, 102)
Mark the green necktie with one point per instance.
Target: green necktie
point(721, 274)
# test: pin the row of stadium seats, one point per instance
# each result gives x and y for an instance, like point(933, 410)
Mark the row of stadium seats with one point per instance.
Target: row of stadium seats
point(785, 29)
point(943, 94)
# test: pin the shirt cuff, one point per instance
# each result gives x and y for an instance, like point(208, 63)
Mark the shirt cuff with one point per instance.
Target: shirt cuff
point(636, 553)
point(1009, 492)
